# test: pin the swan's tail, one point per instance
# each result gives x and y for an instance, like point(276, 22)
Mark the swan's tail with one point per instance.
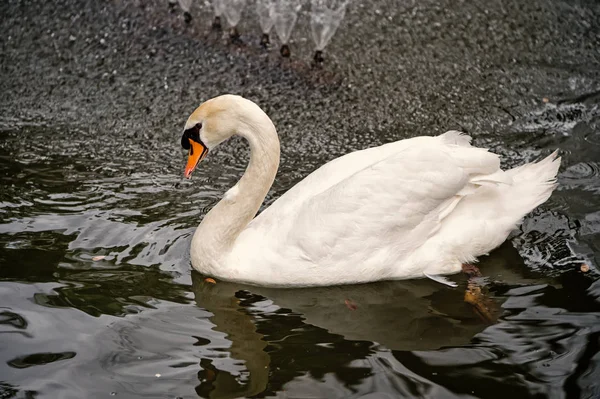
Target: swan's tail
point(533, 183)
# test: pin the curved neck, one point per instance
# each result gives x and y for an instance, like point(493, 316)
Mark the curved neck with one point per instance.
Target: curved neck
point(222, 225)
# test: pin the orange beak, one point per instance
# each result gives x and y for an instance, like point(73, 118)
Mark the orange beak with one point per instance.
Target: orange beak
point(197, 153)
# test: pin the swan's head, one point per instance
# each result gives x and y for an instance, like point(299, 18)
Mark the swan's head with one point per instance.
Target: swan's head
point(210, 124)
point(213, 122)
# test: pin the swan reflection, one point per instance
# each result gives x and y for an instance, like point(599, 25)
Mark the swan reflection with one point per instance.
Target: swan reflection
point(281, 334)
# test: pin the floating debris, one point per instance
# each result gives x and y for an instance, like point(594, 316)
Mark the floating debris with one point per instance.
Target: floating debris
point(99, 257)
point(584, 268)
point(483, 305)
point(350, 305)
point(210, 280)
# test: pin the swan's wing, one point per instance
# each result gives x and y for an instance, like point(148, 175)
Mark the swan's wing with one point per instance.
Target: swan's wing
point(383, 211)
point(334, 172)
point(403, 197)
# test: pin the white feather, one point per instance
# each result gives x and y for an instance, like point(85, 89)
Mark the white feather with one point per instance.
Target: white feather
point(402, 210)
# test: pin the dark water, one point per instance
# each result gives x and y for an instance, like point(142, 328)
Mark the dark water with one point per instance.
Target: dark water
point(97, 297)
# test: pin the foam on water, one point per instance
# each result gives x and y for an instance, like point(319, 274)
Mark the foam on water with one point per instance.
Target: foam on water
point(325, 18)
point(284, 14)
point(263, 9)
point(233, 11)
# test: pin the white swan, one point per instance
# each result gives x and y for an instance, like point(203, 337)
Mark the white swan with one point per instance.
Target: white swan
point(412, 208)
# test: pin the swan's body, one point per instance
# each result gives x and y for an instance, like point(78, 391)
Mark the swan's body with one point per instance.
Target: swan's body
point(407, 209)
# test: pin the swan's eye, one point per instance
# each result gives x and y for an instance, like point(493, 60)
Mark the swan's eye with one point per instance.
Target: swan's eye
point(191, 133)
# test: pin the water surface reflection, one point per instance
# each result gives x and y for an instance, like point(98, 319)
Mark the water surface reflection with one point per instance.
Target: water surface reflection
point(410, 338)
point(96, 292)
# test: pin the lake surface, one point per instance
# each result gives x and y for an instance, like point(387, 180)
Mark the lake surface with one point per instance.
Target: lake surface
point(97, 296)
